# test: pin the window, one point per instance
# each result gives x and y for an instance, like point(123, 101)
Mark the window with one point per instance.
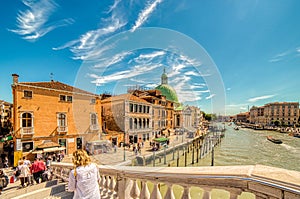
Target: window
point(26, 120)
point(131, 107)
point(62, 98)
point(69, 98)
point(94, 119)
point(27, 94)
point(62, 120)
point(65, 98)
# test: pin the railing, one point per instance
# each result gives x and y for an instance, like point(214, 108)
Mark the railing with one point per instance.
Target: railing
point(62, 129)
point(27, 130)
point(255, 181)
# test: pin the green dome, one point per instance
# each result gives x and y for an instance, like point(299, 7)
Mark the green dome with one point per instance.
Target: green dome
point(168, 91)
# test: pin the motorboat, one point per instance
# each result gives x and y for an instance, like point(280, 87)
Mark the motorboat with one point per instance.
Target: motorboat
point(276, 141)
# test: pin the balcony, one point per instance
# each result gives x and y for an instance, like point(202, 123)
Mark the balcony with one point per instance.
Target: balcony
point(27, 130)
point(94, 127)
point(62, 129)
point(252, 181)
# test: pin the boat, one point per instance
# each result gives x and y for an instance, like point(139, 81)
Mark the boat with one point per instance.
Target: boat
point(276, 141)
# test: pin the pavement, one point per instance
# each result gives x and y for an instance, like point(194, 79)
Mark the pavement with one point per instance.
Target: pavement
point(121, 157)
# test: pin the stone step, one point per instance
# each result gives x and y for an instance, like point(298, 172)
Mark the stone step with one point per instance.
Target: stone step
point(43, 193)
point(64, 195)
point(14, 189)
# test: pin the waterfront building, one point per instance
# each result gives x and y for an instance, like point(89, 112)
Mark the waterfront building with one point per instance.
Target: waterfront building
point(127, 115)
point(51, 113)
point(285, 113)
point(275, 113)
point(242, 117)
point(257, 115)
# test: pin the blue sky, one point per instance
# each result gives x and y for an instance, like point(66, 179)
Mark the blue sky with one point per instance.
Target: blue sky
point(252, 46)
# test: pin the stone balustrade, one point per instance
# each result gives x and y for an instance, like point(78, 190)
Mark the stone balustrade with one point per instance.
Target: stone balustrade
point(234, 182)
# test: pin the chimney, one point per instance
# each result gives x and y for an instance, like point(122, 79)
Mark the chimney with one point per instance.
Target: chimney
point(15, 78)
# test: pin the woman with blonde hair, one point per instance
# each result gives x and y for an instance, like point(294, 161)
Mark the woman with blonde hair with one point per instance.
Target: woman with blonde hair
point(84, 178)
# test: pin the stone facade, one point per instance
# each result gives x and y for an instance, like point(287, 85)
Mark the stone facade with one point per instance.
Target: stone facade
point(54, 112)
point(282, 113)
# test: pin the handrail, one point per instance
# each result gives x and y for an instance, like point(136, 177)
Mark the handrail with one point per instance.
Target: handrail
point(260, 180)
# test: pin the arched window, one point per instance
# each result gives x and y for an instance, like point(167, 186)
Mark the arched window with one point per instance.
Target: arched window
point(94, 119)
point(26, 120)
point(62, 120)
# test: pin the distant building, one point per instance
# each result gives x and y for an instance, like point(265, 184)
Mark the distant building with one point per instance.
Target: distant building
point(53, 112)
point(242, 117)
point(276, 113)
point(5, 117)
point(257, 115)
point(285, 113)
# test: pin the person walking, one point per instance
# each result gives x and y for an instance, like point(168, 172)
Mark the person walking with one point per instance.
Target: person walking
point(24, 172)
point(3, 180)
point(37, 169)
point(84, 178)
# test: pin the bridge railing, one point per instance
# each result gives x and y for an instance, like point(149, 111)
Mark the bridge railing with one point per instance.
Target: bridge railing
point(253, 181)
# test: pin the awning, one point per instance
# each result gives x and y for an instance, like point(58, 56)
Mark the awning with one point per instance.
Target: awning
point(6, 138)
point(52, 149)
point(161, 139)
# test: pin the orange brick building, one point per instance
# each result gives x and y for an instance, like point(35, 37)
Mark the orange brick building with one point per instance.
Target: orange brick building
point(53, 112)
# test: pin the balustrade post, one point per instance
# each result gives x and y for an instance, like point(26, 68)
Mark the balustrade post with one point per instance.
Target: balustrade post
point(186, 192)
point(170, 193)
point(206, 194)
point(135, 191)
point(145, 194)
point(124, 188)
point(111, 185)
point(156, 193)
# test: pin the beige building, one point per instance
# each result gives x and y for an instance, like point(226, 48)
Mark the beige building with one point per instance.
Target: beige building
point(286, 113)
point(282, 113)
point(53, 112)
point(257, 115)
point(127, 115)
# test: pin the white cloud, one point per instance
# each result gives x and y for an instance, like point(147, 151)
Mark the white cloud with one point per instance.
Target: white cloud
point(210, 96)
point(144, 14)
point(228, 89)
point(146, 58)
point(255, 99)
point(192, 73)
point(121, 75)
point(33, 22)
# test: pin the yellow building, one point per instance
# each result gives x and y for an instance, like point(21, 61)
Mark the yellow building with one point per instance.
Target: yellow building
point(51, 113)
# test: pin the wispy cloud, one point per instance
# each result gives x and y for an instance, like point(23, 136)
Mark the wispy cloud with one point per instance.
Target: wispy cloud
point(121, 75)
point(144, 14)
point(255, 99)
point(210, 96)
point(148, 57)
point(33, 23)
point(84, 47)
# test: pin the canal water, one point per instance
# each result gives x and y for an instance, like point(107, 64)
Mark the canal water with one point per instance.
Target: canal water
point(247, 147)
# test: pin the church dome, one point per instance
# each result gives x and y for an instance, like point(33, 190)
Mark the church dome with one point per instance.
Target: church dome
point(168, 91)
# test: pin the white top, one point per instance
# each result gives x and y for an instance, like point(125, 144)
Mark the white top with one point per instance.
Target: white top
point(24, 170)
point(87, 186)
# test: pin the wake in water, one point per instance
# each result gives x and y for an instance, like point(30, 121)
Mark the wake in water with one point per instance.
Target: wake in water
point(289, 148)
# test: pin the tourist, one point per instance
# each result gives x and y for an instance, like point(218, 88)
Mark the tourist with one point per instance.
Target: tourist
point(24, 172)
point(37, 169)
point(3, 180)
point(84, 178)
point(5, 164)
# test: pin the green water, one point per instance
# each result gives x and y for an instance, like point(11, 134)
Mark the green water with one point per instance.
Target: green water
point(248, 147)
